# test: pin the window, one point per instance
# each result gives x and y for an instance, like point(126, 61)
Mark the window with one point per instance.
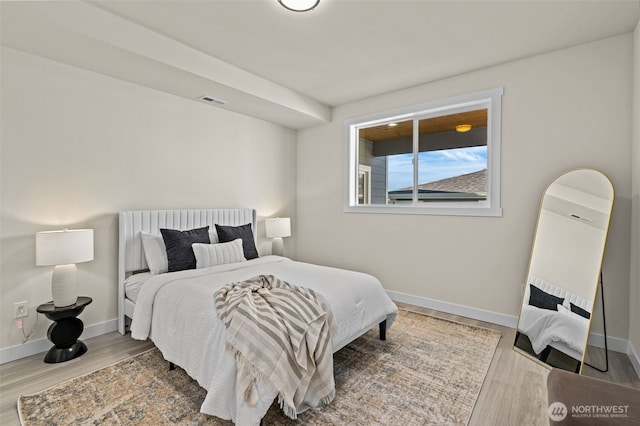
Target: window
point(440, 157)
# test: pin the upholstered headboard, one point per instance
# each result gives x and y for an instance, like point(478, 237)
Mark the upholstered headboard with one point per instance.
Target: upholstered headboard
point(131, 254)
point(548, 287)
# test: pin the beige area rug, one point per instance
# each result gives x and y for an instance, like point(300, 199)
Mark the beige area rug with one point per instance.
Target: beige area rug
point(429, 371)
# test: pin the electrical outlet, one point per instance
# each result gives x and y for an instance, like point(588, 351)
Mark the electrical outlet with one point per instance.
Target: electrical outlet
point(20, 309)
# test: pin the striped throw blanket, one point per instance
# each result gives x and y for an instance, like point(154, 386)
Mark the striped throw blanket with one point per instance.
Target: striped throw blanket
point(279, 334)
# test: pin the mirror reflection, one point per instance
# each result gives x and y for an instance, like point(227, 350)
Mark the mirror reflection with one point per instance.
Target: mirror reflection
point(564, 269)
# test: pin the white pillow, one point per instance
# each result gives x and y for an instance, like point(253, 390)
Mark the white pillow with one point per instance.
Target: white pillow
point(218, 254)
point(566, 311)
point(155, 252)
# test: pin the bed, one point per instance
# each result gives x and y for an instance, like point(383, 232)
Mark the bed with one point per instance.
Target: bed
point(176, 309)
point(557, 325)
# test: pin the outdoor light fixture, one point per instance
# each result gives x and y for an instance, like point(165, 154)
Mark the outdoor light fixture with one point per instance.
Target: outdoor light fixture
point(462, 128)
point(299, 5)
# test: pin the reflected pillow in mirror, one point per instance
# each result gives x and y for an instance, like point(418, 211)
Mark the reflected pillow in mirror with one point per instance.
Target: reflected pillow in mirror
point(578, 310)
point(543, 300)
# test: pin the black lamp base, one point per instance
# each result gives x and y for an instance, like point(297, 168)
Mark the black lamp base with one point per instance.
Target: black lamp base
point(55, 355)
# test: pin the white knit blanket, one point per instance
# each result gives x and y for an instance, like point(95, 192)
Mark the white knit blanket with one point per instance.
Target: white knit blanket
point(279, 334)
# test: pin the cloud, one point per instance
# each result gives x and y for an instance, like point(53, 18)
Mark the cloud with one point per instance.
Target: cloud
point(468, 155)
point(435, 165)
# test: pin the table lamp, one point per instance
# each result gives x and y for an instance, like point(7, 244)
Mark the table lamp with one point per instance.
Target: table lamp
point(64, 249)
point(277, 228)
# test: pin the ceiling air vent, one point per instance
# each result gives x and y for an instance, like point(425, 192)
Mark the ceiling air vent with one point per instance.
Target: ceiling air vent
point(211, 100)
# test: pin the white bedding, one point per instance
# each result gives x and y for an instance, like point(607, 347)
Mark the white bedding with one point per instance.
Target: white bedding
point(545, 327)
point(561, 329)
point(176, 310)
point(134, 283)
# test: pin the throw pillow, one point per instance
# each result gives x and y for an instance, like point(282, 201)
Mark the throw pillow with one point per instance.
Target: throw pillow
point(178, 243)
point(229, 233)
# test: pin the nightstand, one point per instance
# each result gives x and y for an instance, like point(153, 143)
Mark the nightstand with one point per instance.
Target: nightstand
point(65, 330)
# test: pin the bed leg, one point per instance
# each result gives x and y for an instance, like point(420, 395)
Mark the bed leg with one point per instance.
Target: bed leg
point(172, 366)
point(545, 354)
point(383, 330)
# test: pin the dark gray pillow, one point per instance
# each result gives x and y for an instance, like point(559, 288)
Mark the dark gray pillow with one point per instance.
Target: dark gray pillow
point(578, 310)
point(178, 243)
point(543, 300)
point(230, 233)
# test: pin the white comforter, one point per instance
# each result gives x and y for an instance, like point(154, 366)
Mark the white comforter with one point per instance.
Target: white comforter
point(545, 327)
point(176, 310)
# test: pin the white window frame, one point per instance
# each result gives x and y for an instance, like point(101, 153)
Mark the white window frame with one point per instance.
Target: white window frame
point(490, 99)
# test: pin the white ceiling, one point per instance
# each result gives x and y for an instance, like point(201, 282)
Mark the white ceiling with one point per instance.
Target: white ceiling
point(291, 68)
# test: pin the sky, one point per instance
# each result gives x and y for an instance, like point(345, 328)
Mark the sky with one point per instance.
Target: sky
point(435, 165)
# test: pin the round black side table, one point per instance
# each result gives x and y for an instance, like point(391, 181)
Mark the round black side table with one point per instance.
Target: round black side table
point(65, 330)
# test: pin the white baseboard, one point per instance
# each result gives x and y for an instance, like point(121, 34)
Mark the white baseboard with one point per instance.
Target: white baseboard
point(614, 343)
point(42, 345)
point(452, 308)
point(635, 359)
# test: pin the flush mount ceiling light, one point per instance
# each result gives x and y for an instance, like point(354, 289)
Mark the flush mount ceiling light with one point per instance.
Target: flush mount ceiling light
point(299, 5)
point(461, 128)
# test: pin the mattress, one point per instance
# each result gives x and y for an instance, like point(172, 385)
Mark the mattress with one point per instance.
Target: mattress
point(134, 283)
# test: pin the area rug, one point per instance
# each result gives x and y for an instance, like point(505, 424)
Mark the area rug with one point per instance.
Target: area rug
point(429, 371)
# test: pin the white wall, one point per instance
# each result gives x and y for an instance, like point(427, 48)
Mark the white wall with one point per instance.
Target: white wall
point(634, 299)
point(78, 147)
point(562, 110)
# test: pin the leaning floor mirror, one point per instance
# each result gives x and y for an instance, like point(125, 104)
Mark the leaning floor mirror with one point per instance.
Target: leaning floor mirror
point(564, 269)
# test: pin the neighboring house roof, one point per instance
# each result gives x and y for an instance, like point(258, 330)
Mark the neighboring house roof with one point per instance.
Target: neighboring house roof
point(475, 182)
point(469, 183)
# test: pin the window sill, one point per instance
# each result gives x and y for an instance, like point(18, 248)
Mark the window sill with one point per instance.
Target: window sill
point(440, 210)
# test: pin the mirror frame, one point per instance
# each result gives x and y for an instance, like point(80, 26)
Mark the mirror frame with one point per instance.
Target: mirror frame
point(604, 224)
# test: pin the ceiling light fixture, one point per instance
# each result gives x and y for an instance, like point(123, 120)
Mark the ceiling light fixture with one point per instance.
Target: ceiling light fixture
point(299, 5)
point(461, 128)
point(392, 124)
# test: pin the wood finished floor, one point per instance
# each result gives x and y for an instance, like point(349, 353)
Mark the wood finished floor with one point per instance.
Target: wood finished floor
point(514, 391)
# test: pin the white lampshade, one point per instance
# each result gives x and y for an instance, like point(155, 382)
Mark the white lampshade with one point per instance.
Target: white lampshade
point(64, 249)
point(278, 227)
